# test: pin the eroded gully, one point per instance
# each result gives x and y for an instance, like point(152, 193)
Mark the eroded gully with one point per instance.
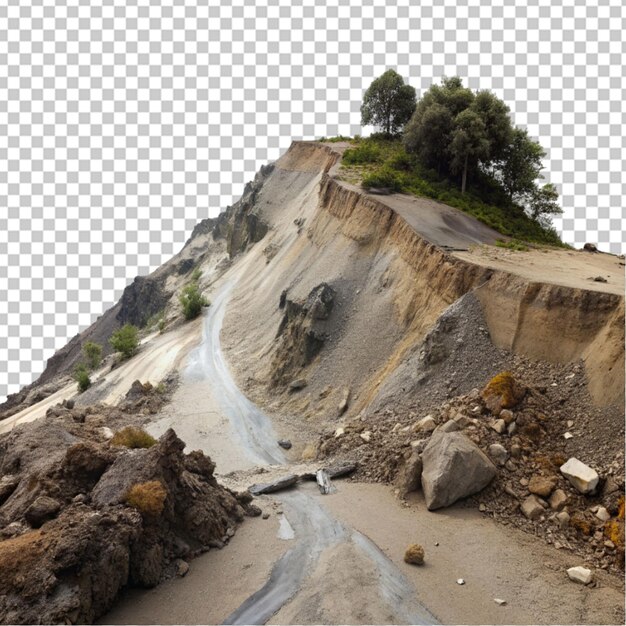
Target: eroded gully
point(314, 528)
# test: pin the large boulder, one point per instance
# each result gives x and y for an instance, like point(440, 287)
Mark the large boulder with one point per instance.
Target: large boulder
point(581, 476)
point(453, 468)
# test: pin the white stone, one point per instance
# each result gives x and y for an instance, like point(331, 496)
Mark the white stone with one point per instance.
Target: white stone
point(498, 453)
point(563, 519)
point(567, 435)
point(580, 574)
point(570, 423)
point(107, 433)
point(426, 424)
point(499, 601)
point(340, 431)
point(366, 436)
point(581, 476)
point(603, 514)
point(460, 581)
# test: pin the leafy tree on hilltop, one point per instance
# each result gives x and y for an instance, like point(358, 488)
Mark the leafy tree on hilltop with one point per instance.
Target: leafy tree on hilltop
point(521, 164)
point(469, 143)
point(388, 103)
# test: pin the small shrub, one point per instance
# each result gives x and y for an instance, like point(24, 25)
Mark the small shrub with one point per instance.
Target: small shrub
point(192, 301)
point(148, 498)
point(125, 340)
point(160, 389)
point(197, 273)
point(161, 325)
point(132, 437)
point(364, 152)
point(81, 376)
point(383, 177)
point(93, 354)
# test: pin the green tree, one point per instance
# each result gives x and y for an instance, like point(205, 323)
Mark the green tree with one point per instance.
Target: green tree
point(469, 143)
point(495, 114)
point(430, 131)
point(521, 164)
point(93, 354)
point(192, 301)
point(125, 340)
point(81, 376)
point(542, 203)
point(388, 103)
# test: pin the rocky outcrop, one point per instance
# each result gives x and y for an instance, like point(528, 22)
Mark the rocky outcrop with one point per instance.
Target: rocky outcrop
point(453, 468)
point(302, 332)
point(71, 537)
point(142, 299)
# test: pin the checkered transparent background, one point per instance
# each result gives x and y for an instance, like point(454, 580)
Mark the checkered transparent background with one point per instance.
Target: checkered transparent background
point(122, 123)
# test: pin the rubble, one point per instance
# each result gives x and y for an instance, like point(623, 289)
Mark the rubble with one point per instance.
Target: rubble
point(581, 476)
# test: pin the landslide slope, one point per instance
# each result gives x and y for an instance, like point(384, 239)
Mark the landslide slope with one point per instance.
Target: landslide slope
point(337, 289)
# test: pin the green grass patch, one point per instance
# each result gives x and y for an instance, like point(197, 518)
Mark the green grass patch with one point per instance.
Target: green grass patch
point(382, 162)
point(514, 244)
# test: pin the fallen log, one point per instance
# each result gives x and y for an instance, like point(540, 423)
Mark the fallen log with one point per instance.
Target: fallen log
point(277, 485)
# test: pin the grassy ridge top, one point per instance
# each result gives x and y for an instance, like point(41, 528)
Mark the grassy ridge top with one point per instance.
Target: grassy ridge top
point(384, 163)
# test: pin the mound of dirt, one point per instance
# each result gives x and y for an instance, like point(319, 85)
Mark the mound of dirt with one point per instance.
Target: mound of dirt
point(528, 443)
point(71, 537)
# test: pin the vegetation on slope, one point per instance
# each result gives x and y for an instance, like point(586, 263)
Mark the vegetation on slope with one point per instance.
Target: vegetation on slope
point(459, 147)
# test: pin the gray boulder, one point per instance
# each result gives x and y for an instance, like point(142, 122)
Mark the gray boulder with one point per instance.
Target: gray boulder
point(409, 477)
point(453, 468)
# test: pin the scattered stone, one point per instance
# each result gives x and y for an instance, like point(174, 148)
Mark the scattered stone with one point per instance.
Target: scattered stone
point(603, 514)
point(580, 574)
point(463, 421)
point(277, 485)
point(453, 467)
point(511, 429)
point(284, 443)
point(345, 401)
point(498, 453)
point(581, 476)
point(590, 247)
point(449, 427)
point(609, 544)
point(323, 482)
point(426, 424)
point(558, 500)
point(570, 423)
point(296, 385)
point(499, 601)
point(366, 436)
point(410, 476)
point(567, 435)
point(182, 567)
point(499, 426)
point(507, 416)
point(340, 431)
point(531, 507)
point(600, 279)
point(516, 451)
point(542, 485)
point(42, 510)
point(106, 432)
point(482, 508)
point(460, 581)
point(69, 404)
point(414, 554)
point(563, 519)
point(265, 515)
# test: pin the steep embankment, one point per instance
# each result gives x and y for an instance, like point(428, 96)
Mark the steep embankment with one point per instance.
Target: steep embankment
point(391, 276)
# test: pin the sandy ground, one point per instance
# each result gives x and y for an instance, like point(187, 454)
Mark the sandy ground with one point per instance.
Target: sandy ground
point(217, 582)
point(494, 561)
point(561, 267)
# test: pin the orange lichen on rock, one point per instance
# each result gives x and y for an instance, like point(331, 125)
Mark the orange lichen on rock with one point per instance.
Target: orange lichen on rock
point(149, 497)
point(502, 392)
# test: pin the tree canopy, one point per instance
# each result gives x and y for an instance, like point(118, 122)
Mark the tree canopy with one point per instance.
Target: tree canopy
point(388, 103)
